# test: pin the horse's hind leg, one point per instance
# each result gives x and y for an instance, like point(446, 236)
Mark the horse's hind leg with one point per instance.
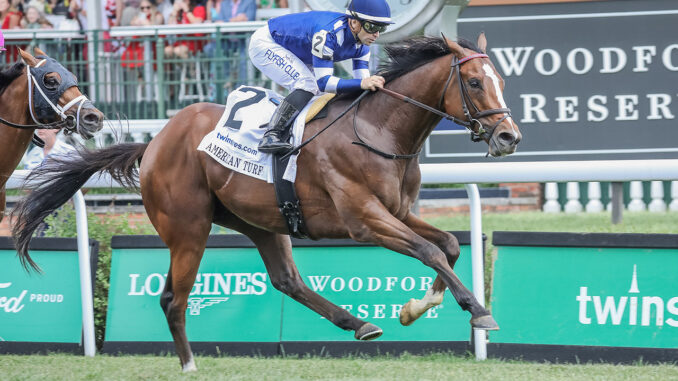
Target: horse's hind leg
point(446, 242)
point(184, 227)
point(276, 251)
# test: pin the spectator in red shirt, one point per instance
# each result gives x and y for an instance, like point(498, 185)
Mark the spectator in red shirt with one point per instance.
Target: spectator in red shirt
point(185, 12)
point(9, 18)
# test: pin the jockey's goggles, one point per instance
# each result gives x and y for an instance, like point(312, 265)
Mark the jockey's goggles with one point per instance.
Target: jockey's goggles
point(372, 27)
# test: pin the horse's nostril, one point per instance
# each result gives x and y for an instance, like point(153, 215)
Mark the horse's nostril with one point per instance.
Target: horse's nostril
point(507, 138)
point(92, 118)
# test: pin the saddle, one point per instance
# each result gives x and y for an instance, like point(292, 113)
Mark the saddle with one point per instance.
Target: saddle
point(288, 202)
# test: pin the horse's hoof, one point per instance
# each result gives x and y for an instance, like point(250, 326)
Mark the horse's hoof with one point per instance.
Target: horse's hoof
point(406, 317)
point(368, 331)
point(484, 322)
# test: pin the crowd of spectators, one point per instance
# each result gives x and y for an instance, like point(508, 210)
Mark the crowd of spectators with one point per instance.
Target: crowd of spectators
point(70, 14)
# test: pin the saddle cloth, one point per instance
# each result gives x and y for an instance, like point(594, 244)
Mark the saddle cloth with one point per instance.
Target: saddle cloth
point(234, 140)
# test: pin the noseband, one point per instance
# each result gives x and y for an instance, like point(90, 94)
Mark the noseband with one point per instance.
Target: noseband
point(47, 104)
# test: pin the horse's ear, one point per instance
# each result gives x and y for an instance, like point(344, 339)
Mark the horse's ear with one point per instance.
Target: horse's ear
point(38, 52)
point(456, 49)
point(482, 42)
point(28, 58)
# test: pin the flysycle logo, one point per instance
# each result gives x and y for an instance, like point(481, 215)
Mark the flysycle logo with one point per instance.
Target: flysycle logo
point(624, 309)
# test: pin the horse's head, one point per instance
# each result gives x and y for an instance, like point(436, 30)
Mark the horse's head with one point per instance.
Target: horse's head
point(54, 96)
point(478, 96)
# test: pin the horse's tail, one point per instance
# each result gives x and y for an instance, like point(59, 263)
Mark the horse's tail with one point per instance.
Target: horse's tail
point(57, 179)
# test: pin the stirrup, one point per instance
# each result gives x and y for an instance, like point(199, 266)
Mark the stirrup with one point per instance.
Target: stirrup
point(274, 147)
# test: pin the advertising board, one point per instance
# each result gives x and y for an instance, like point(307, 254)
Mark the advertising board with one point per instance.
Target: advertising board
point(587, 290)
point(233, 300)
point(584, 80)
point(41, 312)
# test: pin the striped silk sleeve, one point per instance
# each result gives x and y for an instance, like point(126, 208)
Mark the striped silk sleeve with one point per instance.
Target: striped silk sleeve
point(361, 64)
point(327, 82)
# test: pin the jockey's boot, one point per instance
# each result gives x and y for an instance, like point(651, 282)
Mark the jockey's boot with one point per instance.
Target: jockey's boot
point(274, 138)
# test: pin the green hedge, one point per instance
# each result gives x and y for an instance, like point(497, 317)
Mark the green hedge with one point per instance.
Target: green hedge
point(101, 228)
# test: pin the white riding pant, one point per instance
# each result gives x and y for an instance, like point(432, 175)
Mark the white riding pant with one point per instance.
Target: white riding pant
point(280, 64)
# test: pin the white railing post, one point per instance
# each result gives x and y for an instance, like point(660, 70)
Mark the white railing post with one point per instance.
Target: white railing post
point(85, 275)
point(573, 205)
point(477, 265)
point(594, 205)
point(657, 203)
point(673, 206)
point(636, 192)
point(551, 196)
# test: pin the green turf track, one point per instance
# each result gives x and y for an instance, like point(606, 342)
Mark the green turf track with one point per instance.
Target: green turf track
point(433, 367)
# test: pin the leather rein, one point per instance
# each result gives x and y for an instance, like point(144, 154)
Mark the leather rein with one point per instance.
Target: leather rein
point(472, 120)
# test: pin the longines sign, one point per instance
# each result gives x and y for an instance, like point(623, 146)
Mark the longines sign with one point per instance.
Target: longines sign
point(233, 299)
point(585, 81)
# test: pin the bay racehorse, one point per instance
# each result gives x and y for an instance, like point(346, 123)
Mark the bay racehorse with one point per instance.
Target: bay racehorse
point(345, 189)
point(41, 91)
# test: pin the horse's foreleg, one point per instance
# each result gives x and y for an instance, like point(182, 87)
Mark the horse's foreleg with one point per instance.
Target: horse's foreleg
point(446, 242)
point(369, 221)
point(276, 251)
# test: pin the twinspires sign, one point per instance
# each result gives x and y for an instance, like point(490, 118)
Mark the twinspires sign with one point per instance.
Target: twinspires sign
point(41, 312)
point(611, 290)
point(585, 81)
point(233, 299)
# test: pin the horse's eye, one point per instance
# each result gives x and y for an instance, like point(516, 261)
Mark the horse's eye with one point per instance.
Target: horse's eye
point(51, 83)
point(475, 83)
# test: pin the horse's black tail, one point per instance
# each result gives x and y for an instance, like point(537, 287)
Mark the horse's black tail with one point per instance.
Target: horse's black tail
point(59, 178)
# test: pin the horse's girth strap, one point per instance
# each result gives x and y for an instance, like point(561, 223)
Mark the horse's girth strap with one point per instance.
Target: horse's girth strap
point(318, 105)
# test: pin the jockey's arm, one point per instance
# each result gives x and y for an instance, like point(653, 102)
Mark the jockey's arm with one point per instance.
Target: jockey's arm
point(323, 69)
point(328, 82)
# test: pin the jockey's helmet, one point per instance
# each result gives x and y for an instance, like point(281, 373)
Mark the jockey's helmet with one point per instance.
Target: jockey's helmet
point(2, 42)
point(375, 11)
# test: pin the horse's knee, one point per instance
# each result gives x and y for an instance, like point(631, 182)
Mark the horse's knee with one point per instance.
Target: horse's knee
point(451, 247)
point(433, 257)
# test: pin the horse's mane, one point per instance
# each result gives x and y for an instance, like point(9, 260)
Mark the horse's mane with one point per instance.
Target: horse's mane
point(8, 76)
point(413, 52)
point(405, 56)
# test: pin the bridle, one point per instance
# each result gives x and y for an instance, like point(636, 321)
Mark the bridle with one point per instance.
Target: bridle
point(472, 120)
point(47, 104)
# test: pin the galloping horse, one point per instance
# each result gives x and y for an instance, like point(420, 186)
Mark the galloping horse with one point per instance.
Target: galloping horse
point(345, 189)
point(43, 91)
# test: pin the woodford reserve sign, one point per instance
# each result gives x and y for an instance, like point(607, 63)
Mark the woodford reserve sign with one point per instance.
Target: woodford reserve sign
point(585, 81)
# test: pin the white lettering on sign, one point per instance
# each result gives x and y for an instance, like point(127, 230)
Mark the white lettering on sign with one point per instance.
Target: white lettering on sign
point(613, 310)
point(320, 283)
point(514, 60)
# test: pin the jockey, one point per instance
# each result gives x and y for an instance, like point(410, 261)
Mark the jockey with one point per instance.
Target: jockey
point(2, 42)
point(298, 52)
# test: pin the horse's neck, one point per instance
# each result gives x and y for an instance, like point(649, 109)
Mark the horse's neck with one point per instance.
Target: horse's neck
point(407, 126)
point(13, 142)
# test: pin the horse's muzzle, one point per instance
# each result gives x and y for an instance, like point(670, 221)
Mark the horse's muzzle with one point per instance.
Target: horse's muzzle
point(504, 141)
point(91, 121)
